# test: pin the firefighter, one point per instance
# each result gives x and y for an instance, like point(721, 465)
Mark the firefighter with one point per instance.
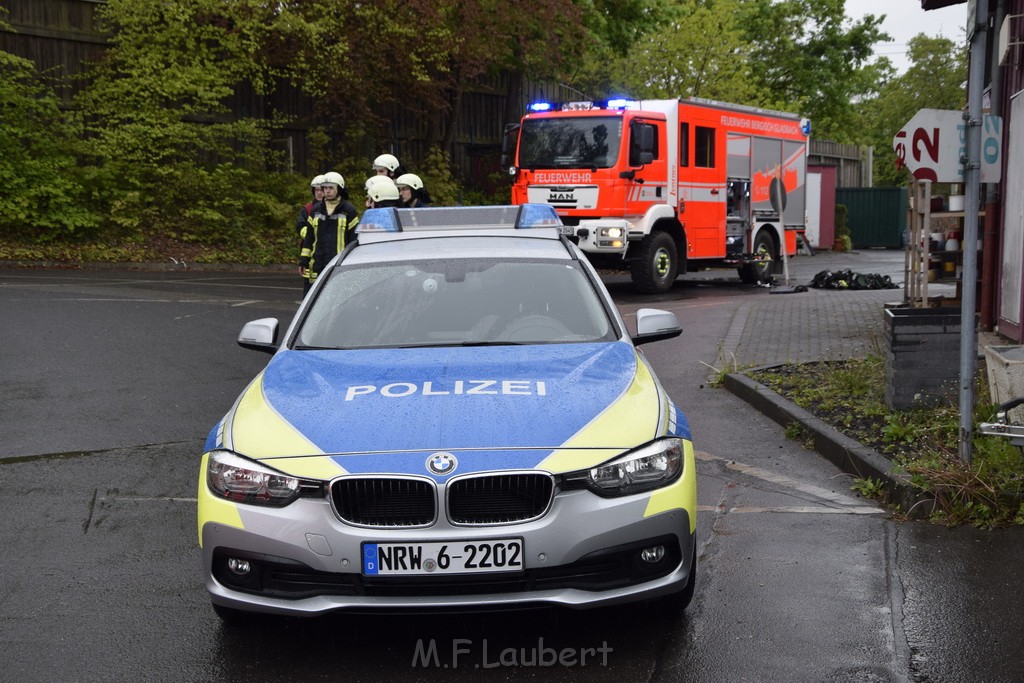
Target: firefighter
point(315, 187)
point(387, 164)
point(383, 193)
point(330, 226)
point(411, 189)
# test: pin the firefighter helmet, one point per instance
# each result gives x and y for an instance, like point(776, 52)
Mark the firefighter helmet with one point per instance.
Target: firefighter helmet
point(388, 161)
point(317, 181)
point(410, 179)
point(334, 178)
point(382, 190)
point(373, 179)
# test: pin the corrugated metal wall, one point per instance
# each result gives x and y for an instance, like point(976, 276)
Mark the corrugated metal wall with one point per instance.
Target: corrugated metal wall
point(877, 216)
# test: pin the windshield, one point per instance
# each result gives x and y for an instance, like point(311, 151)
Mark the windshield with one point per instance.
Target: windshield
point(582, 142)
point(455, 302)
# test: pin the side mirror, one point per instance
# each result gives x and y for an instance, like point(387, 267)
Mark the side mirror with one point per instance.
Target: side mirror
point(508, 144)
point(653, 324)
point(641, 144)
point(259, 335)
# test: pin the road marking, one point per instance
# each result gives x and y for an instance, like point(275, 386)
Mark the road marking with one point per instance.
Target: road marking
point(246, 303)
point(850, 505)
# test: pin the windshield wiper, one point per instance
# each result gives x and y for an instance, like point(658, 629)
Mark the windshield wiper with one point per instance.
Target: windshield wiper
point(492, 343)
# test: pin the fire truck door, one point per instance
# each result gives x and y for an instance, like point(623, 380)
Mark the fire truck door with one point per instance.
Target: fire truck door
point(703, 189)
point(647, 166)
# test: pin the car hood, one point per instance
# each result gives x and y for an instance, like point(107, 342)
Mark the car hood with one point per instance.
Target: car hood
point(324, 413)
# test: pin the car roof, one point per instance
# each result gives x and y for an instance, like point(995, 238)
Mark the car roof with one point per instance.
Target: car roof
point(449, 246)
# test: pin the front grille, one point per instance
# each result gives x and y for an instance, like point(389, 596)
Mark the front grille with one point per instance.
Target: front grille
point(384, 501)
point(500, 498)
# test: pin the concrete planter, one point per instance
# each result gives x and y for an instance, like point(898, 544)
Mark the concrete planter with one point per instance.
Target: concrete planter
point(1005, 366)
point(922, 366)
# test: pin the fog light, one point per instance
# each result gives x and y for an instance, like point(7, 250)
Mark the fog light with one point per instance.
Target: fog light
point(241, 567)
point(653, 555)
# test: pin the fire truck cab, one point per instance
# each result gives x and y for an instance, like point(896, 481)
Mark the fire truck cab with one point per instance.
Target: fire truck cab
point(654, 185)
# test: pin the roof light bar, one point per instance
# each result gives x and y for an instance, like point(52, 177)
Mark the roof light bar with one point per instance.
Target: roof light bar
point(614, 103)
point(525, 216)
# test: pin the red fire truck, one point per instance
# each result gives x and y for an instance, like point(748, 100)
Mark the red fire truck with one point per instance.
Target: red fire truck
point(660, 186)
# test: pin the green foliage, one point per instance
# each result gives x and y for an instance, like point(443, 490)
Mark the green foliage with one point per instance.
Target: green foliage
point(869, 487)
point(168, 162)
point(699, 51)
point(437, 178)
point(805, 59)
point(842, 227)
point(922, 442)
point(934, 80)
point(44, 195)
point(151, 151)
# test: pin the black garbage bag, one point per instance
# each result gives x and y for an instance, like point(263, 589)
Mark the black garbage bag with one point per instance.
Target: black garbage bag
point(847, 279)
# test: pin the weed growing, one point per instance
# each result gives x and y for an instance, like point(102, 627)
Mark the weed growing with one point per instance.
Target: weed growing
point(849, 395)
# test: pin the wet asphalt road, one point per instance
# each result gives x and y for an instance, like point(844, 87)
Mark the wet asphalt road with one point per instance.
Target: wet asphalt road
point(111, 380)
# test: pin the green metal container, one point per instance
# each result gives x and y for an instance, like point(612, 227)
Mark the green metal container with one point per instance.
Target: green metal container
point(877, 216)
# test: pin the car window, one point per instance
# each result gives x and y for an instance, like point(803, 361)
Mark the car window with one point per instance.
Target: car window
point(455, 302)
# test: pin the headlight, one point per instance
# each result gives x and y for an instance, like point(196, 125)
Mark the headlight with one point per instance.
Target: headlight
point(611, 232)
point(651, 467)
point(244, 481)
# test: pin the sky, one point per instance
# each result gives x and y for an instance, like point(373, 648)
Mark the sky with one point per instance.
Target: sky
point(905, 19)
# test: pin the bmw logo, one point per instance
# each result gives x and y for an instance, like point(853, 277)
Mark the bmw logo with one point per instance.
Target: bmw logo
point(442, 463)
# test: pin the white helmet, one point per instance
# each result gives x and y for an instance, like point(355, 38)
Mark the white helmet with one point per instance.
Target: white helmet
point(388, 161)
point(333, 178)
point(410, 179)
point(382, 190)
point(317, 181)
point(373, 179)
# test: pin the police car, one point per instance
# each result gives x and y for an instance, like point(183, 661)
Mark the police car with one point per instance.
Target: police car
point(456, 417)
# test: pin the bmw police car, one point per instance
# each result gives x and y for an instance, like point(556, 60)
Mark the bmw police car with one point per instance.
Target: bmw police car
point(456, 417)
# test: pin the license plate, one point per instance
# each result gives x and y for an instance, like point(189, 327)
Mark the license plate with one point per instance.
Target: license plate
point(453, 557)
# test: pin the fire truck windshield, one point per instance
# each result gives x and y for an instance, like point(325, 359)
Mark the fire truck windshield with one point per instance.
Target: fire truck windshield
point(570, 142)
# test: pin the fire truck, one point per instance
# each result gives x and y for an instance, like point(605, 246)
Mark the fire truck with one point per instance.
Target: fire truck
point(660, 187)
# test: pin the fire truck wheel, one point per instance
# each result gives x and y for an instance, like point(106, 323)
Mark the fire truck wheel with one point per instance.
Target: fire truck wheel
point(655, 268)
point(764, 246)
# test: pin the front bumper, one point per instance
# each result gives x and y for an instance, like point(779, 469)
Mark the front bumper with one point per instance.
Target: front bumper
point(585, 552)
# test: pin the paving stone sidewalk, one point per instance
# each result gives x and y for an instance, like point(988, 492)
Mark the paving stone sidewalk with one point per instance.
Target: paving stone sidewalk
point(808, 326)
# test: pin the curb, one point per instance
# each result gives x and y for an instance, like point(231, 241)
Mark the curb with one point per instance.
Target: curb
point(153, 266)
point(845, 453)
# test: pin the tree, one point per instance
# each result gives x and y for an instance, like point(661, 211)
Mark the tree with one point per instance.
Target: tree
point(699, 51)
point(44, 192)
point(155, 113)
point(803, 59)
point(935, 80)
point(613, 30)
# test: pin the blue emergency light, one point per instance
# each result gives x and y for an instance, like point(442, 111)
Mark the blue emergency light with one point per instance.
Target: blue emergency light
point(539, 106)
point(521, 217)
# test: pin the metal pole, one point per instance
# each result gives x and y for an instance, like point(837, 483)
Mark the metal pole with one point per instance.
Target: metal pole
point(782, 224)
point(972, 178)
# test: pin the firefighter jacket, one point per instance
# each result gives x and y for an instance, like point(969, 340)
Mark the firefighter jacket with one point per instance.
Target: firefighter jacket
point(327, 233)
point(300, 220)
